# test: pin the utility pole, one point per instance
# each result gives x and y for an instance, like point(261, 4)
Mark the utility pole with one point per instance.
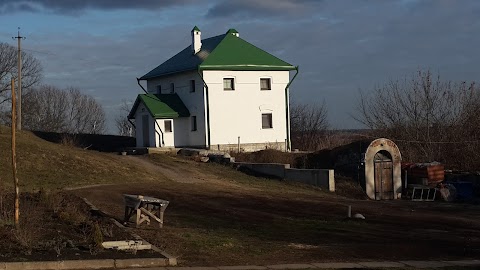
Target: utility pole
point(14, 161)
point(19, 85)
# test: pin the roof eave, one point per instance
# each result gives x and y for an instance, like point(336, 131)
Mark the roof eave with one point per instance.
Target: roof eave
point(145, 77)
point(246, 67)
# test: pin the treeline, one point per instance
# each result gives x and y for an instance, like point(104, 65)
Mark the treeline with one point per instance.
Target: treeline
point(46, 107)
point(430, 119)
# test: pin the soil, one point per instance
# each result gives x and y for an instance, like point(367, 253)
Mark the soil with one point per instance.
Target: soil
point(226, 218)
point(58, 226)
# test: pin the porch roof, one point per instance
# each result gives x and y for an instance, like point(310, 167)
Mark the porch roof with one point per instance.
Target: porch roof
point(161, 106)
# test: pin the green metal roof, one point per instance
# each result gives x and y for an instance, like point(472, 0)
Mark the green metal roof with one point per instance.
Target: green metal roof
point(161, 106)
point(223, 52)
point(195, 28)
point(234, 53)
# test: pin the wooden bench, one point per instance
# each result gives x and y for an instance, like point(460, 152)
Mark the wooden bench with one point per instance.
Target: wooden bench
point(145, 208)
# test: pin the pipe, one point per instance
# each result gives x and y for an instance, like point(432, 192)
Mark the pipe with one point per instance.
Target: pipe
point(287, 110)
point(207, 109)
point(163, 142)
point(138, 82)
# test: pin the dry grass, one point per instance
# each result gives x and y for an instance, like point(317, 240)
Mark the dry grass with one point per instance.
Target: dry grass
point(42, 164)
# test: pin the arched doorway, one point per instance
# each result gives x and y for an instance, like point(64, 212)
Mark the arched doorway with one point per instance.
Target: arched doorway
point(383, 176)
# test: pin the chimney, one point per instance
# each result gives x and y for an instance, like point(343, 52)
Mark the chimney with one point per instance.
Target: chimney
point(233, 32)
point(196, 40)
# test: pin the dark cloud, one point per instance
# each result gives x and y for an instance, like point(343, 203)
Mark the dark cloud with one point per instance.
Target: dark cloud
point(74, 7)
point(257, 9)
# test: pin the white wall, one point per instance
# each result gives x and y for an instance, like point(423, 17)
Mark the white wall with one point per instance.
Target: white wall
point(168, 138)
point(239, 112)
point(193, 101)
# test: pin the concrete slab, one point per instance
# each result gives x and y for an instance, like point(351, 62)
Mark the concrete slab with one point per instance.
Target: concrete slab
point(337, 265)
point(143, 262)
point(203, 268)
point(51, 265)
point(426, 264)
point(290, 266)
point(86, 264)
point(464, 262)
point(192, 268)
point(381, 264)
point(242, 267)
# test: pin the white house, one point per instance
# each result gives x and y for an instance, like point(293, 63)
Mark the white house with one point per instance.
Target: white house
point(216, 93)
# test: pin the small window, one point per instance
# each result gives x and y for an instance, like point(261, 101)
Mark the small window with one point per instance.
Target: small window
point(159, 89)
point(228, 84)
point(168, 125)
point(265, 84)
point(267, 120)
point(194, 123)
point(192, 86)
point(172, 88)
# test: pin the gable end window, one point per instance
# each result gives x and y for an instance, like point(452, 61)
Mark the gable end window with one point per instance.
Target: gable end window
point(192, 86)
point(172, 88)
point(228, 84)
point(265, 84)
point(194, 123)
point(168, 125)
point(267, 120)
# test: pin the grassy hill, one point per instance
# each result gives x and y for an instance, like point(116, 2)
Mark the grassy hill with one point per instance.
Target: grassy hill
point(42, 164)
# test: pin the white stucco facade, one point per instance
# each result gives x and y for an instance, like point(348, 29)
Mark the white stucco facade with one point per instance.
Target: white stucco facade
point(233, 113)
point(238, 113)
point(183, 135)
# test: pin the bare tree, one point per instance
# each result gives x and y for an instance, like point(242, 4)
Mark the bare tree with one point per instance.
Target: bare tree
point(31, 70)
point(431, 119)
point(124, 127)
point(309, 125)
point(48, 108)
point(85, 114)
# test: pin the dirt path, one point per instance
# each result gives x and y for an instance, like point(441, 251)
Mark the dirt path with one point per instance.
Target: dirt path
point(182, 172)
point(215, 210)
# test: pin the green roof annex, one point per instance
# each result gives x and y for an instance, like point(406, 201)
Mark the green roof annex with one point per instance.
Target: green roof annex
point(161, 106)
point(223, 52)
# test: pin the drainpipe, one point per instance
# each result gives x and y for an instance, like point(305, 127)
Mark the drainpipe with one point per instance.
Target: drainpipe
point(138, 81)
point(287, 111)
point(154, 120)
point(207, 109)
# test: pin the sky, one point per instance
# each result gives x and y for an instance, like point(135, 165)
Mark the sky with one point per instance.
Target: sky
point(340, 46)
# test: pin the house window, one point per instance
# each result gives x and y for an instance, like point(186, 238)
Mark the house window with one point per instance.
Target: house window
point(265, 84)
point(172, 88)
point(267, 120)
point(192, 86)
point(159, 89)
point(228, 84)
point(194, 123)
point(168, 125)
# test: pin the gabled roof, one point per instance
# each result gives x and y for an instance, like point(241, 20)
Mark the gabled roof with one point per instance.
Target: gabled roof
point(223, 52)
point(161, 106)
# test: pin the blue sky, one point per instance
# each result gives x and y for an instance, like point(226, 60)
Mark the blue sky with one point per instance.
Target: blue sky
point(341, 46)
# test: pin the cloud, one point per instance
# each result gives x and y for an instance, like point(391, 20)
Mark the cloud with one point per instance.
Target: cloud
point(75, 6)
point(255, 8)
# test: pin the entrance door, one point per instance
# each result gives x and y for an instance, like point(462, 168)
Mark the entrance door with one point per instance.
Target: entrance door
point(383, 176)
point(145, 131)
